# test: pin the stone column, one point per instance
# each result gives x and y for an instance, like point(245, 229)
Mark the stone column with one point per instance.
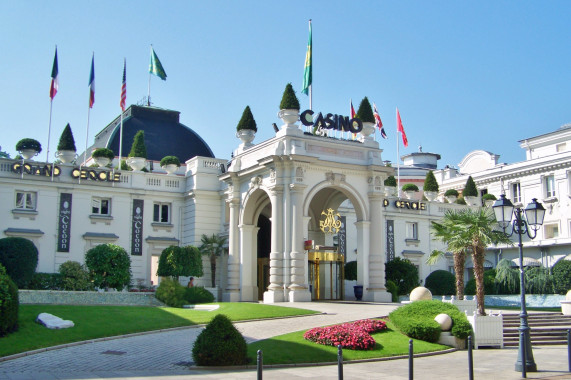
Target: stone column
point(232, 292)
point(299, 288)
point(249, 261)
point(376, 289)
point(363, 254)
point(275, 289)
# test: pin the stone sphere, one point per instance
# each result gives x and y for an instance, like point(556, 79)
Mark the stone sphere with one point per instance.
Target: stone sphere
point(421, 293)
point(568, 296)
point(444, 321)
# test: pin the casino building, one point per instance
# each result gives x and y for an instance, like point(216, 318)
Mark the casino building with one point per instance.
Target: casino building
point(294, 208)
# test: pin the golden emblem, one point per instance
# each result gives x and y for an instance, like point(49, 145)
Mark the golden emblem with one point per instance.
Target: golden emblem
point(330, 225)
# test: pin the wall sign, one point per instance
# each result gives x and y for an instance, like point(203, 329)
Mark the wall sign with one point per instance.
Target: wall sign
point(390, 240)
point(41, 170)
point(330, 225)
point(342, 237)
point(96, 175)
point(137, 228)
point(410, 205)
point(331, 121)
point(64, 222)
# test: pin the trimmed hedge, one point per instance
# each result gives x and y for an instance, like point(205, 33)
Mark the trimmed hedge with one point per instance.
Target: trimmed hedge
point(393, 289)
point(490, 286)
point(197, 294)
point(220, 344)
point(390, 181)
point(441, 283)
point(247, 121)
point(110, 266)
point(289, 99)
point(20, 257)
point(74, 276)
point(45, 281)
point(403, 273)
point(562, 276)
point(351, 271)
point(66, 140)
point(8, 304)
point(430, 183)
point(138, 148)
point(416, 320)
point(470, 189)
point(365, 111)
point(171, 293)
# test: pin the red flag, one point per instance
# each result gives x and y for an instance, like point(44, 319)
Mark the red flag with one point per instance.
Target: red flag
point(124, 87)
point(92, 83)
point(401, 129)
point(55, 73)
point(353, 115)
point(378, 122)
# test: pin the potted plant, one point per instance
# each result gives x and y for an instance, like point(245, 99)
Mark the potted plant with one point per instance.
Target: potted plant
point(351, 275)
point(170, 164)
point(470, 192)
point(489, 199)
point(430, 186)
point(137, 158)
point(451, 195)
point(410, 189)
point(102, 156)
point(66, 147)
point(246, 128)
point(390, 186)
point(365, 114)
point(28, 148)
point(289, 107)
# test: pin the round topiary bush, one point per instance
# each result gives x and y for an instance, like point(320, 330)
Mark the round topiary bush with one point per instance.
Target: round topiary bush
point(171, 293)
point(489, 197)
point(103, 152)
point(27, 143)
point(403, 273)
point(451, 193)
point(247, 121)
point(220, 344)
point(110, 266)
point(365, 111)
point(441, 283)
point(66, 140)
point(20, 257)
point(562, 276)
point(289, 99)
point(138, 149)
point(390, 181)
point(197, 294)
point(409, 187)
point(9, 304)
point(351, 271)
point(74, 276)
point(170, 160)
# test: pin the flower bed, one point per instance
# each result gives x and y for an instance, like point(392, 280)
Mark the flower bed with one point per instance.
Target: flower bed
point(355, 336)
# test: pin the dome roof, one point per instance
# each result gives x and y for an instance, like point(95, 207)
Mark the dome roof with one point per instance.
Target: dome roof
point(164, 134)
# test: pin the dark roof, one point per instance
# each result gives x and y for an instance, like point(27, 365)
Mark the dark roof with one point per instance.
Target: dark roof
point(164, 134)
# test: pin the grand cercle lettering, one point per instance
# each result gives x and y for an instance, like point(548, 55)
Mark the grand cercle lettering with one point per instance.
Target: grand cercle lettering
point(39, 170)
point(409, 205)
point(96, 175)
point(331, 121)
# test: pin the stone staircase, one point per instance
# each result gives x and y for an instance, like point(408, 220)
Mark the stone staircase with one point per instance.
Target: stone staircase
point(546, 328)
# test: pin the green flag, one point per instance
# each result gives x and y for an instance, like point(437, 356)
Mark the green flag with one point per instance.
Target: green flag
point(155, 66)
point(307, 74)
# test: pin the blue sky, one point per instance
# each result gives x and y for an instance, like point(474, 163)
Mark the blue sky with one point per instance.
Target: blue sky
point(464, 75)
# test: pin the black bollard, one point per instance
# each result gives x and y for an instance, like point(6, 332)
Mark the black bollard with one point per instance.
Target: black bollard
point(523, 357)
point(410, 356)
point(470, 359)
point(260, 364)
point(340, 362)
point(569, 349)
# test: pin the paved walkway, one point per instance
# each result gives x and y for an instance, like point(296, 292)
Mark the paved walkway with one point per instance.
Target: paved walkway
point(166, 355)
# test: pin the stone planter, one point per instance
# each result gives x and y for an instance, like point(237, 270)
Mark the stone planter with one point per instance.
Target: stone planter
point(28, 153)
point(390, 191)
point(410, 194)
point(66, 156)
point(170, 169)
point(488, 330)
point(368, 130)
point(358, 291)
point(489, 203)
point(101, 161)
point(246, 136)
point(566, 307)
point(136, 163)
point(289, 117)
point(431, 195)
point(471, 201)
point(451, 198)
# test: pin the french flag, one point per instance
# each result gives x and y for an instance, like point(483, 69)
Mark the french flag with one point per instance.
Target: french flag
point(92, 83)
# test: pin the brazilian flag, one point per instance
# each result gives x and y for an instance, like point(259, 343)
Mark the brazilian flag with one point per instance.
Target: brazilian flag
point(156, 67)
point(307, 73)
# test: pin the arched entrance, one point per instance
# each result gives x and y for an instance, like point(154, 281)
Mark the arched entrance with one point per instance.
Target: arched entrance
point(264, 246)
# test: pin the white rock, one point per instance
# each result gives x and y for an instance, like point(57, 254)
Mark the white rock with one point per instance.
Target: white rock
point(444, 321)
point(420, 293)
point(53, 322)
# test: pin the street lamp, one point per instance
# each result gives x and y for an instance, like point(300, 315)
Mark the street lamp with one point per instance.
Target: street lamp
point(534, 213)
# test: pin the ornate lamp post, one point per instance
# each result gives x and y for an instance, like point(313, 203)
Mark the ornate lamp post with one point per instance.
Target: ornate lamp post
point(534, 213)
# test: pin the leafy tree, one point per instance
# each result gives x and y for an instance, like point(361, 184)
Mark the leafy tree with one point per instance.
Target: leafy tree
point(403, 273)
point(180, 261)
point(213, 247)
point(365, 111)
point(110, 266)
point(20, 257)
point(9, 303)
point(247, 121)
point(430, 183)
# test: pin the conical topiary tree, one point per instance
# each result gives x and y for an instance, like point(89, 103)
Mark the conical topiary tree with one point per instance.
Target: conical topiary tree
point(66, 140)
point(430, 183)
point(470, 189)
point(247, 121)
point(365, 111)
point(138, 149)
point(289, 99)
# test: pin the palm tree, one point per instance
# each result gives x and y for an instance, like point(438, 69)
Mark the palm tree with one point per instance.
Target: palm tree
point(448, 232)
point(477, 228)
point(213, 247)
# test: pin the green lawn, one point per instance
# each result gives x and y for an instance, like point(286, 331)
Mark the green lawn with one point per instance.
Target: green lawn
point(93, 322)
point(292, 348)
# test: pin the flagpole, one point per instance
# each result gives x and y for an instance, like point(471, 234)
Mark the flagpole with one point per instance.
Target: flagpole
point(149, 97)
point(49, 132)
point(120, 141)
point(86, 137)
point(398, 160)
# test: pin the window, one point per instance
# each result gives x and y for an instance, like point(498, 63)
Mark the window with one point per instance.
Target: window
point(25, 200)
point(551, 231)
point(516, 192)
point(101, 206)
point(550, 186)
point(412, 231)
point(161, 212)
